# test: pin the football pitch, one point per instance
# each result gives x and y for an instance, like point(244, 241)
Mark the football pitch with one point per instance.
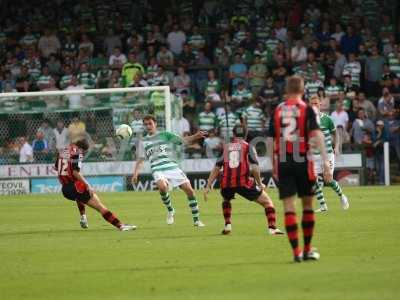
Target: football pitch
point(46, 255)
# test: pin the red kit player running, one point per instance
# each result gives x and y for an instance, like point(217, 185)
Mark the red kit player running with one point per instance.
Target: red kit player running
point(235, 162)
point(76, 188)
point(293, 127)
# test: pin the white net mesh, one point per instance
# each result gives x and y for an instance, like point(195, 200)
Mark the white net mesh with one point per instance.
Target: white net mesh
point(47, 121)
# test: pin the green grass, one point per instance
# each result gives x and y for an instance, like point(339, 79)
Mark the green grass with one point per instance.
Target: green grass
point(45, 255)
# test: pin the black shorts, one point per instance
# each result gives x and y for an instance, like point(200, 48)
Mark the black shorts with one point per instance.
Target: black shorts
point(250, 194)
point(294, 178)
point(71, 193)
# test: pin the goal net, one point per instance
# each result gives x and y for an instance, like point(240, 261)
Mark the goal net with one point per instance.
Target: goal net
point(50, 120)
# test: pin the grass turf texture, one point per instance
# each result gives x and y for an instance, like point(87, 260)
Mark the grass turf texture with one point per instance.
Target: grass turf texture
point(46, 255)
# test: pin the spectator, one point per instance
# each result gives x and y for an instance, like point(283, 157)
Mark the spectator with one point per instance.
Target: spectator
point(393, 129)
point(237, 71)
point(24, 81)
point(70, 47)
point(182, 81)
point(137, 123)
point(176, 38)
point(186, 58)
point(361, 125)
point(48, 133)
point(86, 78)
point(333, 89)
point(350, 42)
point(226, 122)
point(117, 59)
point(26, 151)
point(269, 93)
point(188, 106)
point(340, 117)
point(369, 153)
point(111, 42)
point(367, 106)
point(40, 147)
point(241, 95)
point(165, 57)
point(86, 48)
point(373, 72)
point(298, 53)
point(340, 62)
point(207, 118)
point(180, 126)
point(43, 81)
point(61, 136)
point(49, 43)
point(54, 66)
point(312, 86)
point(28, 40)
point(130, 69)
point(213, 144)
point(75, 101)
point(254, 120)
point(196, 40)
point(65, 80)
point(257, 73)
point(353, 68)
point(386, 105)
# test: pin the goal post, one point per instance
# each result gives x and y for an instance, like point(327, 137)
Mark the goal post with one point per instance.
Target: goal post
point(22, 114)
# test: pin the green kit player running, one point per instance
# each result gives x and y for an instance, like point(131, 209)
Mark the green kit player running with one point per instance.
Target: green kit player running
point(159, 150)
point(328, 129)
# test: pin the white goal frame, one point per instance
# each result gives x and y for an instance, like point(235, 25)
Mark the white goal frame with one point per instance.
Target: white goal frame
point(165, 89)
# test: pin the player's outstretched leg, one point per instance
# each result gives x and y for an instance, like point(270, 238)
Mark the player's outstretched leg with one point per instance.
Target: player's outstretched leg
point(319, 184)
point(265, 201)
point(227, 212)
point(82, 211)
point(95, 203)
point(291, 227)
point(338, 190)
point(166, 199)
point(307, 224)
point(194, 207)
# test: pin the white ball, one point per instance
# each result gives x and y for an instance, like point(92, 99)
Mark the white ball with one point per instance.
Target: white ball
point(123, 131)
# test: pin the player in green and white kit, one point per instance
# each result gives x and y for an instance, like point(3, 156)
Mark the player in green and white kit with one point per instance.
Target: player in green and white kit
point(159, 150)
point(329, 130)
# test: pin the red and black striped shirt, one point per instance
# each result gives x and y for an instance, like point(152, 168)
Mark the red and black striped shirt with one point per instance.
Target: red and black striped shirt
point(236, 160)
point(68, 160)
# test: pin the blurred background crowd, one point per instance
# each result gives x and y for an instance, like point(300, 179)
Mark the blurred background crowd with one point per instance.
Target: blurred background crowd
point(208, 52)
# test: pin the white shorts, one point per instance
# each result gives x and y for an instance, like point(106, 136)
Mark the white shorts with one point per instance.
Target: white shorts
point(319, 166)
point(174, 177)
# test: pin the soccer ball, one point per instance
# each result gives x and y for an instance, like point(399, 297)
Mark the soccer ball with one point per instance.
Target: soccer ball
point(123, 131)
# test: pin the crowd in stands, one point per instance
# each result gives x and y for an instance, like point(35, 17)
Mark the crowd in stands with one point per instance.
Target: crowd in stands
point(210, 52)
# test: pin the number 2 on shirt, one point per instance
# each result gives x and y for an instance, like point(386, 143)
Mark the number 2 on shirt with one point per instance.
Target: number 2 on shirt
point(289, 128)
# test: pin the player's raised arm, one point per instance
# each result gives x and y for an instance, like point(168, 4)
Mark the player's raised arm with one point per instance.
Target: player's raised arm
point(192, 138)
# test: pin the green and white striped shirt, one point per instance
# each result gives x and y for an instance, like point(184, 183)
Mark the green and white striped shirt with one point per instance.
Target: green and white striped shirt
point(196, 41)
point(394, 63)
point(328, 129)
point(88, 80)
point(159, 150)
point(207, 120)
point(333, 90)
point(232, 121)
point(254, 117)
point(242, 95)
point(65, 81)
point(312, 87)
point(271, 43)
point(43, 80)
point(353, 69)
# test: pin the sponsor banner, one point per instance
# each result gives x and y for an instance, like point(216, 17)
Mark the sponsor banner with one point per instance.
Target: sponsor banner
point(125, 167)
point(14, 187)
point(198, 181)
point(100, 184)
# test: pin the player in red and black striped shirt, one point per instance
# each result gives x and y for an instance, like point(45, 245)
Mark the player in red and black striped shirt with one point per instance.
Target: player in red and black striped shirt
point(294, 128)
point(235, 163)
point(76, 188)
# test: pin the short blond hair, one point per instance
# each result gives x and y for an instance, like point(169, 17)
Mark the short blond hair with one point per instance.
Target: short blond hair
point(294, 85)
